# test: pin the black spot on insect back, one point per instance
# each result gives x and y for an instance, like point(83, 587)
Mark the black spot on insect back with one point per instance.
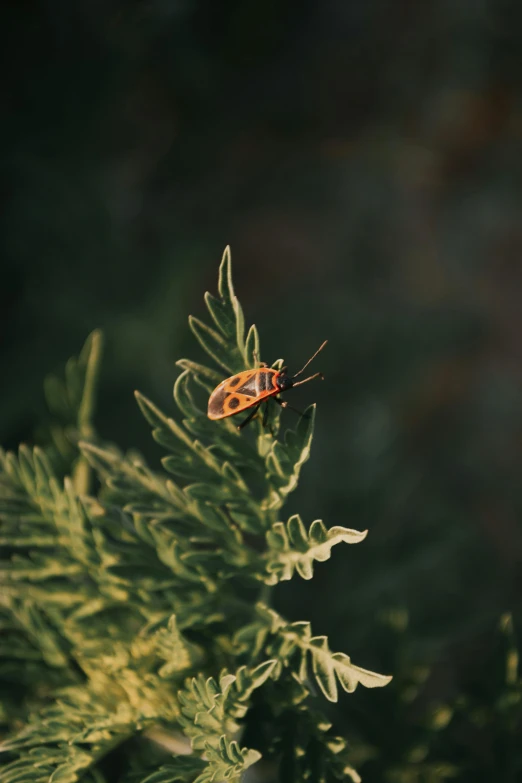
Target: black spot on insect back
point(234, 403)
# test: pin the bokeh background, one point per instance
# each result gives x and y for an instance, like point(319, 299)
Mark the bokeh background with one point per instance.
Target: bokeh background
point(364, 161)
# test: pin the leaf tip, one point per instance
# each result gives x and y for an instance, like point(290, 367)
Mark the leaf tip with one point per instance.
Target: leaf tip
point(96, 335)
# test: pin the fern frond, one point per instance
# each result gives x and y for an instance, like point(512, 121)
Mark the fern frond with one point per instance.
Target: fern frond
point(228, 761)
point(279, 463)
point(65, 739)
point(118, 597)
point(291, 548)
point(226, 346)
point(185, 769)
point(72, 403)
point(278, 639)
point(73, 399)
point(285, 460)
point(211, 709)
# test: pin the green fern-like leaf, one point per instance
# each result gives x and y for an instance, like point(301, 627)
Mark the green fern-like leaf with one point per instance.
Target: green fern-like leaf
point(292, 548)
point(66, 738)
point(330, 668)
point(211, 710)
point(284, 461)
point(280, 463)
point(110, 600)
point(283, 641)
point(185, 768)
point(228, 761)
point(73, 399)
point(72, 404)
point(210, 714)
point(226, 346)
point(178, 654)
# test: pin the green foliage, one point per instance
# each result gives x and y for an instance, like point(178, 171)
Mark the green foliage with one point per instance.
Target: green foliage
point(292, 548)
point(287, 642)
point(302, 740)
point(210, 712)
point(211, 709)
point(72, 404)
point(119, 582)
point(472, 734)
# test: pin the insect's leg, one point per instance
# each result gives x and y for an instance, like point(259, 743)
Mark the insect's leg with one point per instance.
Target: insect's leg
point(249, 417)
point(271, 430)
point(284, 404)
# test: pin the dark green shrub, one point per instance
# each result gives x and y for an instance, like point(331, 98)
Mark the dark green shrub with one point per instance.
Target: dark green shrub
point(135, 610)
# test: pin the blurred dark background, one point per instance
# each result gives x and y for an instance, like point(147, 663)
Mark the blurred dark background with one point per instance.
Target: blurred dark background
point(364, 161)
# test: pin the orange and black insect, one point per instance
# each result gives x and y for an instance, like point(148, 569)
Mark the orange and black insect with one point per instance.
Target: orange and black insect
point(250, 388)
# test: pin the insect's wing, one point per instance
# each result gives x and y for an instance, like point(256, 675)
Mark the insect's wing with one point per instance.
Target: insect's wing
point(216, 403)
point(241, 392)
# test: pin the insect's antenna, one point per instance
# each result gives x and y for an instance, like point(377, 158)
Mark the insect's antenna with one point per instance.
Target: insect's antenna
point(317, 375)
point(308, 362)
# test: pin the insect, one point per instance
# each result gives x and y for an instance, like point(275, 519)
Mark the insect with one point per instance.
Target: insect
point(250, 388)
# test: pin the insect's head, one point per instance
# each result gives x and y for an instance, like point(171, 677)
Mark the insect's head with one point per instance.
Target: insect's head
point(283, 381)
